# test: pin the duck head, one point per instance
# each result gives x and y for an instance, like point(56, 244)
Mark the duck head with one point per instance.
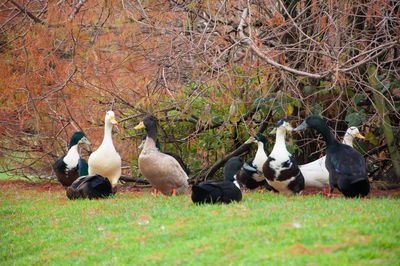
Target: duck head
point(312, 121)
point(354, 132)
point(319, 124)
point(149, 123)
point(283, 125)
point(110, 118)
point(351, 134)
point(232, 166)
point(260, 137)
point(257, 138)
point(78, 138)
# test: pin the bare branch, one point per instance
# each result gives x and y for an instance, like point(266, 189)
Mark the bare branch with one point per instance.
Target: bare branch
point(29, 14)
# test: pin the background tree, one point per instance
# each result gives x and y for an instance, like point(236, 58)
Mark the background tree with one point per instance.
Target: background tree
point(214, 72)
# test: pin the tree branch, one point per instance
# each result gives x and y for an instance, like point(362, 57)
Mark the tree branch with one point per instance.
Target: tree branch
point(29, 14)
point(76, 9)
point(269, 60)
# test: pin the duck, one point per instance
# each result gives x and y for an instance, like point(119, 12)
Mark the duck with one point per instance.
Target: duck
point(281, 169)
point(251, 175)
point(176, 156)
point(225, 190)
point(346, 166)
point(91, 187)
point(315, 173)
point(83, 167)
point(162, 171)
point(66, 167)
point(106, 161)
point(350, 135)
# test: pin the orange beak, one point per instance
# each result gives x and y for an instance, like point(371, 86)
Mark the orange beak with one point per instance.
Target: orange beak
point(113, 120)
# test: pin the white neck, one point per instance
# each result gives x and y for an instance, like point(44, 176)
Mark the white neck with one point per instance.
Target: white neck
point(107, 140)
point(280, 144)
point(348, 139)
point(260, 157)
point(72, 157)
point(260, 150)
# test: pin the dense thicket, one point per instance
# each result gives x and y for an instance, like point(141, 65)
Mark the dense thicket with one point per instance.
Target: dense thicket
point(214, 72)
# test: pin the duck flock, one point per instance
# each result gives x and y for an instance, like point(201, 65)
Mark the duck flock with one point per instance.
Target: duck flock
point(342, 167)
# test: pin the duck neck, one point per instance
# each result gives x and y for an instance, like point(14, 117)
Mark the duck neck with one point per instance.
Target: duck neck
point(107, 133)
point(348, 139)
point(327, 135)
point(151, 139)
point(73, 150)
point(260, 154)
point(72, 157)
point(279, 140)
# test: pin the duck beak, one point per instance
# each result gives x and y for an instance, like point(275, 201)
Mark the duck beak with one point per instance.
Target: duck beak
point(273, 131)
point(358, 135)
point(113, 120)
point(250, 140)
point(302, 126)
point(85, 140)
point(140, 126)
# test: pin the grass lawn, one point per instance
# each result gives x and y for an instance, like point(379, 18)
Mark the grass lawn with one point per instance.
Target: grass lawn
point(136, 228)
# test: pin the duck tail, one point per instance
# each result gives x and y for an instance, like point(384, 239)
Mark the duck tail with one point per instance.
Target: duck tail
point(199, 194)
point(359, 187)
point(72, 193)
point(204, 193)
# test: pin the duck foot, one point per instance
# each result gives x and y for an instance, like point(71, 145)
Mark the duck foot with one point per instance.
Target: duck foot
point(155, 192)
point(174, 192)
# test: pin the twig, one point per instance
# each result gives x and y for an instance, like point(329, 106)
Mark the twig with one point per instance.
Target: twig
point(76, 9)
point(263, 56)
point(29, 14)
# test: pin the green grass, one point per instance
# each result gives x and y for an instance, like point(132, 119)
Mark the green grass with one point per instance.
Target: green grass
point(47, 228)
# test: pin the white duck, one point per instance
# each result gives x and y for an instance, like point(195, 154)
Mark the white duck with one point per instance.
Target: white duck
point(105, 160)
point(315, 173)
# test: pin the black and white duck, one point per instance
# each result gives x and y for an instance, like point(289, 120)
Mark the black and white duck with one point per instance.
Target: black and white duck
point(346, 166)
point(105, 161)
point(281, 169)
point(225, 190)
point(162, 171)
point(66, 167)
point(315, 173)
point(251, 175)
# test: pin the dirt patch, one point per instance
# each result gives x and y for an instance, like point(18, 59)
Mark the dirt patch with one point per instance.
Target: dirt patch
point(134, 189)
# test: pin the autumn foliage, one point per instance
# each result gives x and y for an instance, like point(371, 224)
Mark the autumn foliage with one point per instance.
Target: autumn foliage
point(214, 72)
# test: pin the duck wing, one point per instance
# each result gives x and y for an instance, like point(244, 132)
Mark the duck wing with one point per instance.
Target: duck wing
point(245, 176)
point(346, 161)
point(180, 161)
point(214, 191)
point(64, 175)
point(93, 186)
point(347, 171)
point(163, 172)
